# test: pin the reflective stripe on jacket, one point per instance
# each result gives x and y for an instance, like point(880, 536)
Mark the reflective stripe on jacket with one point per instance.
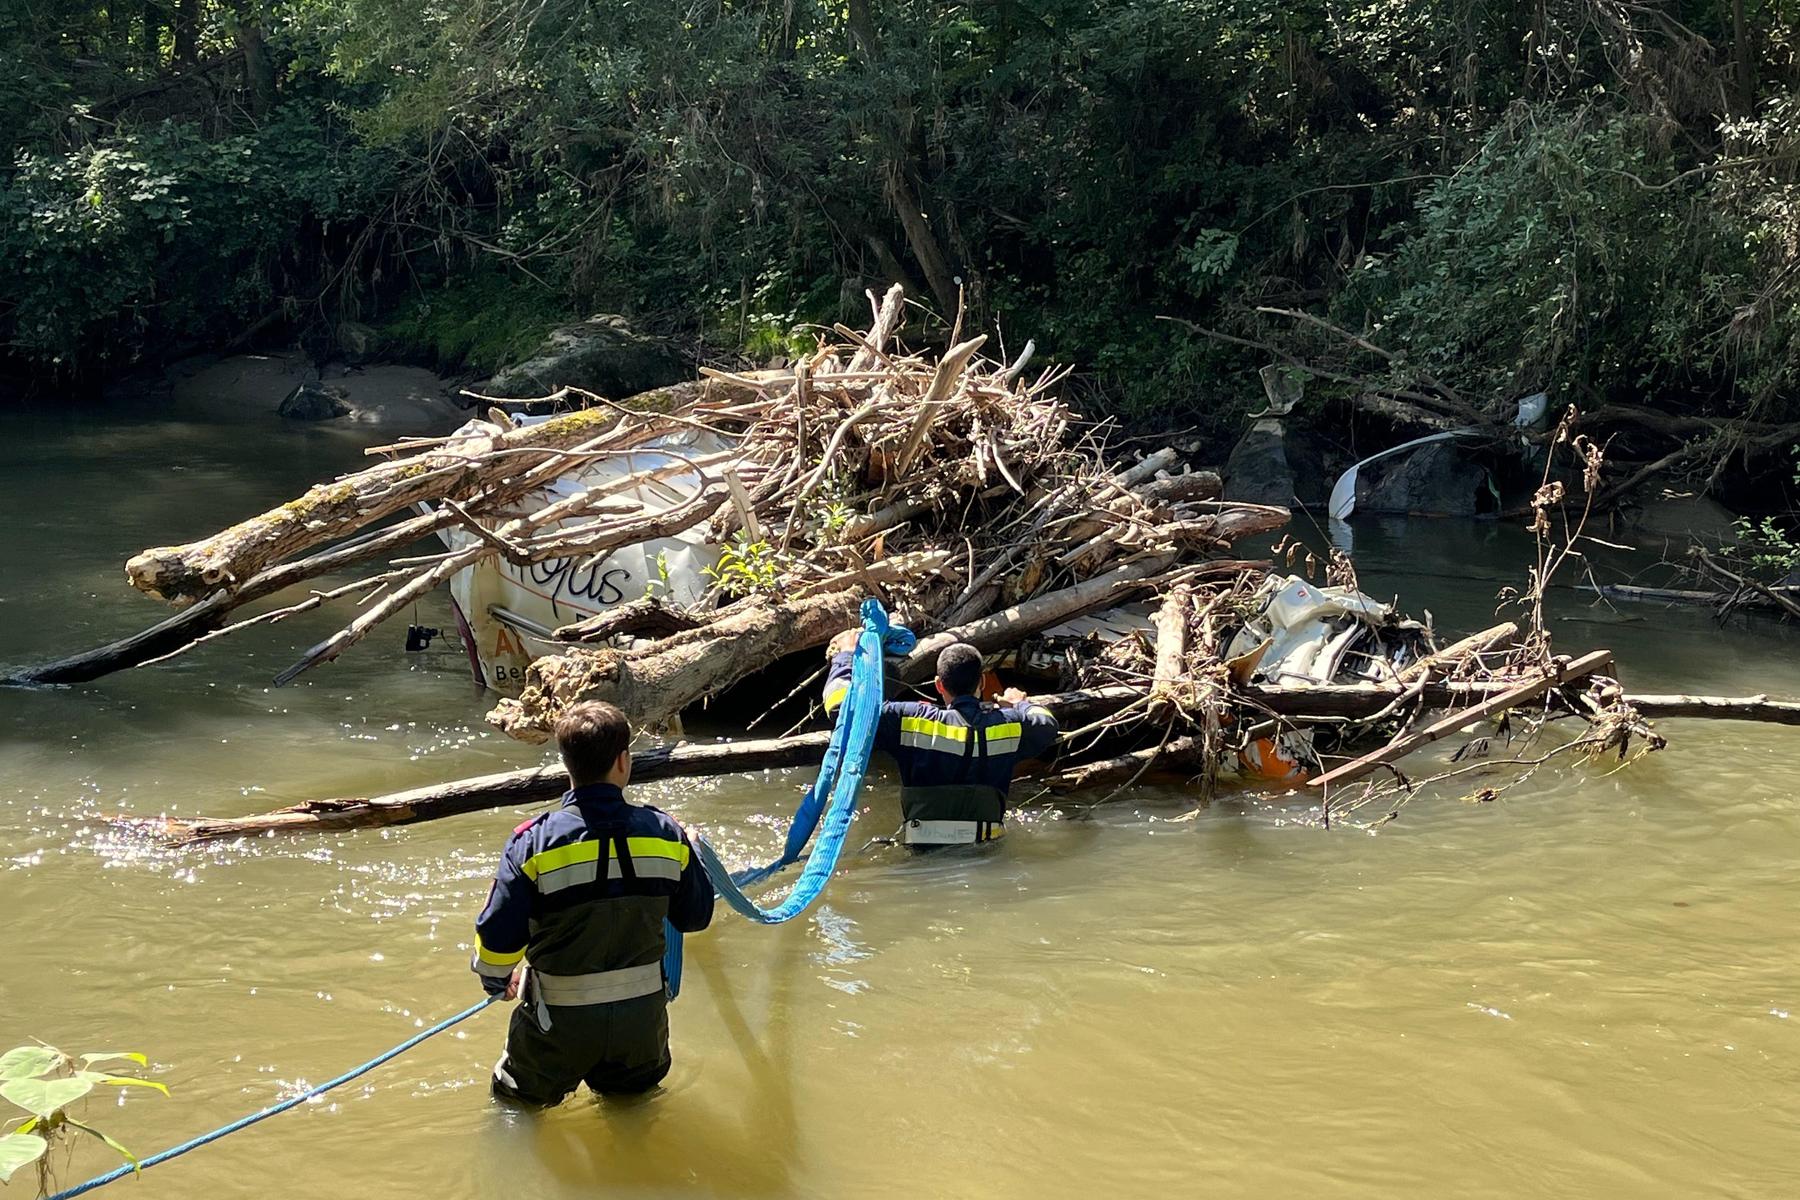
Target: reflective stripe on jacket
point(931, 743)
point(584, 888)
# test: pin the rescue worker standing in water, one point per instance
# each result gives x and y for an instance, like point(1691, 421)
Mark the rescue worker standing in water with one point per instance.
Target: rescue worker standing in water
point(956, 760)
point(582, 890)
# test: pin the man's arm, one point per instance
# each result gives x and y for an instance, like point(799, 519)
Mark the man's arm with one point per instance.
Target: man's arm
point(1037, 727)
point(837, 686)
point(691, 907)
point(504, 925)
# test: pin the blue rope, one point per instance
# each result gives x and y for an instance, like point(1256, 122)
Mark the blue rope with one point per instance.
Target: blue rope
point(245, 1122)
point(832, 796)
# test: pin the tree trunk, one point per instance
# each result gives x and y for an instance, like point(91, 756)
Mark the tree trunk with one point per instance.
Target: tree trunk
point(656, 682)
point(537, 784)
point(187, 32)
point(329, 511)
point(919, 236)
point(150, 48)
point(259, 67)
point(1744, 56)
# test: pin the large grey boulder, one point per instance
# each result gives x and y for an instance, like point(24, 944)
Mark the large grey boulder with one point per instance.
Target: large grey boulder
point(314, 401)
point(1432, 481)
point(602, 354)
point(1258, 471)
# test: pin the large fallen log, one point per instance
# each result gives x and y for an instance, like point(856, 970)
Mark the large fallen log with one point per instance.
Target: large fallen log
point(536, 784)
point(657, 682)
point(1073, 709)
point(182, 574)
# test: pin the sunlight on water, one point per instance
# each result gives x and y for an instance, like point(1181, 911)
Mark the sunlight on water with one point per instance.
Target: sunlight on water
point(1582, 988)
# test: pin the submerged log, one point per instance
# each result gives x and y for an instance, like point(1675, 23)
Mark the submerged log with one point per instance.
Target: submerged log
point(537, 784)
point(1726, 708)
point(1177, 753)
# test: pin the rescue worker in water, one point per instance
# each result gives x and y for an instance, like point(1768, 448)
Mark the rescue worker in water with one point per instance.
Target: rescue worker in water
point(582, 890)
point(956, 760)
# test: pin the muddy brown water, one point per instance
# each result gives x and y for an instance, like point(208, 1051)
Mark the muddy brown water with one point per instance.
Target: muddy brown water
point(1584, 989)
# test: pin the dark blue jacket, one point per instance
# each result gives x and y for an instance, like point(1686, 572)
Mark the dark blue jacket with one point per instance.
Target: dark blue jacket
point(585, 887)
point(930, 742)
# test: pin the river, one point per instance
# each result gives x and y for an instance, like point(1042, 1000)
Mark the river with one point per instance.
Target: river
point(1583, 989)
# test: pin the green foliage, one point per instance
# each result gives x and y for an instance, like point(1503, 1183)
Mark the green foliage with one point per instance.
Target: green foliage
point(482, 321)
point(1549, 262)
point(746, 567)
point(45, 1082)
point(165, 231)
point(1555, 195)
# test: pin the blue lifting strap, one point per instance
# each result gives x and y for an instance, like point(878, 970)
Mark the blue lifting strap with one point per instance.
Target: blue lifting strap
point(832, 796)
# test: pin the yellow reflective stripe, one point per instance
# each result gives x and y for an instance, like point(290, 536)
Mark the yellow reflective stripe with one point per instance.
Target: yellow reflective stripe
point(957, 733)
point(834, 697)
point(493, 957)
point(654, 847)
point(931, 728)
point(561, 856)
point(576, 853)
point(923, 733)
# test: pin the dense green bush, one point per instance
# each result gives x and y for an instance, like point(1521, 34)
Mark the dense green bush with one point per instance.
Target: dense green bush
point(1593, 198)
point(165, 231)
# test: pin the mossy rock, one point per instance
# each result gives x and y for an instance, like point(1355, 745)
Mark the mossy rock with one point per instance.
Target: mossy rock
point(602, 354)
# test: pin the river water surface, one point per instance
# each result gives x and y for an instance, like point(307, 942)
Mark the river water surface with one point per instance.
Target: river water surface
point(1587, 988)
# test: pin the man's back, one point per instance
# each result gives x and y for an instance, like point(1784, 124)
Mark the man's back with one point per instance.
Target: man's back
point(956, 760)
point(584, 890)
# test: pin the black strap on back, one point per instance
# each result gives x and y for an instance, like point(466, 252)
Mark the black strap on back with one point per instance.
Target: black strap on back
point(618, 848)
point(977, 734)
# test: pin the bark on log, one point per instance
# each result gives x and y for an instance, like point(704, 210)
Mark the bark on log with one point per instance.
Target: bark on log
point(1125, 767)
point(1728, 708)
point(1196, 485)
point(648, 617)
point(656, 682)
point(1459, 652)
point(182, 574)
point(1171, 622)
point(537, 784)
point(1013, 625)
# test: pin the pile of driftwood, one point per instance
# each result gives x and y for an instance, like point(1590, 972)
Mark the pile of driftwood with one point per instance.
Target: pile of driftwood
point(967, 496)
point(958, 488)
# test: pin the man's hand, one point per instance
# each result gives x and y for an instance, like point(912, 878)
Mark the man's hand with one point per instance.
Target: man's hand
point(843, 643)
point(1013, 696)
point(512, 985)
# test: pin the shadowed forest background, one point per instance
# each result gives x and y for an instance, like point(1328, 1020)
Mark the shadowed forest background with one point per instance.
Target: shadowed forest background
point(1447, 205)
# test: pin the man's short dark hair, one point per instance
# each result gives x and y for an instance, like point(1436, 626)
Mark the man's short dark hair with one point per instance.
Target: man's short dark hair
point(591, 736)
point(959, 666)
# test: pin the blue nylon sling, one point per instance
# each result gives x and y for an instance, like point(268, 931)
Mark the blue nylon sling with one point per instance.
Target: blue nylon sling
point(832, 796)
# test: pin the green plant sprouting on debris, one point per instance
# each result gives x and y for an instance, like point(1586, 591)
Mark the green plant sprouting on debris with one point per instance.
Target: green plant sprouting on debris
point(746, 567)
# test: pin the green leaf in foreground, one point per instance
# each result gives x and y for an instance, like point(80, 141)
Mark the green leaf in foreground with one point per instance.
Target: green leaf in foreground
point(111, 1055)
point(18, 1150)
point(121, 1080)
point(45, 1096)
point(27, 1062)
